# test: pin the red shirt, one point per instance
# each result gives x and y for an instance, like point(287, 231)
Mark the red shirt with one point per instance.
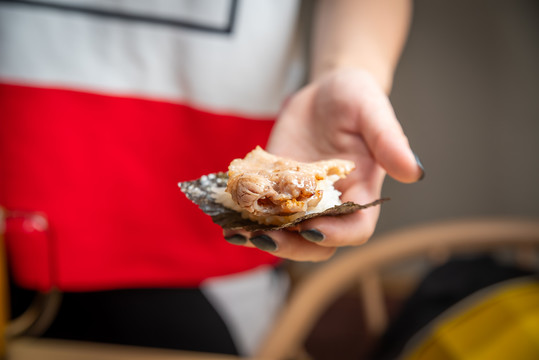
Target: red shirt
point(89, 168)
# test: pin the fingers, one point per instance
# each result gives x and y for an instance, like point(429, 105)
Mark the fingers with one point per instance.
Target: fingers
point(347, 230)
point(387, 141)
point(313, 240)
point(285, 244)
point(365, 110)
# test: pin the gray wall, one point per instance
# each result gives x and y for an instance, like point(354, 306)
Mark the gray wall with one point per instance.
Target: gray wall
point(467, 94)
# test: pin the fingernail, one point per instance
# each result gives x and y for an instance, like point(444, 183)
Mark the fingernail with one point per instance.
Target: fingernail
point(264, 242)
point(420, 167)
point(312, 235)
point(236, 239)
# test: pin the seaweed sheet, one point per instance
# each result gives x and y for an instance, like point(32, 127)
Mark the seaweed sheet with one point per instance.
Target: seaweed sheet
point(200, 192)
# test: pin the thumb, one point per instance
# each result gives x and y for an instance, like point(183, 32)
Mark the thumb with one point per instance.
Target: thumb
point(388, 143)
point(392, 151)
point(377, 123)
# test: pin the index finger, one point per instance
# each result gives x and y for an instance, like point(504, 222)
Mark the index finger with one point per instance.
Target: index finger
point(344, 230)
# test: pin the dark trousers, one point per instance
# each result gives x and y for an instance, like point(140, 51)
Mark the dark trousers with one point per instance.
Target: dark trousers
point(165, 318)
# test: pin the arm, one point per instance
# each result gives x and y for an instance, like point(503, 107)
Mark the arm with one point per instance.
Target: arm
point(365, 38)
point(361, 34)
point(344, 112)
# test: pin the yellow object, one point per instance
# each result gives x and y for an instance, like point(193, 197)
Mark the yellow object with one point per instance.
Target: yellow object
point(498, 323)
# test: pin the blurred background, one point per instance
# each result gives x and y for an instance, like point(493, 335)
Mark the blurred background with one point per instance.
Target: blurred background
point(467, 94)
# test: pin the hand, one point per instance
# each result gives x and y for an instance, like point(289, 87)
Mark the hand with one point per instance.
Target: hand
point(345, 115)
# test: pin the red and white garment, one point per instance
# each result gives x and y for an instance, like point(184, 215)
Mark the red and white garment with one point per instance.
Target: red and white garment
point(106, 105)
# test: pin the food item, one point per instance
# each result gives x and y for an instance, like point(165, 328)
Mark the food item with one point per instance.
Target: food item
point(272, 190)
point(266, 192)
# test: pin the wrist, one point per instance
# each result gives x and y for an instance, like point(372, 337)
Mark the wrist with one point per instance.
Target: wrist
point(380, 74)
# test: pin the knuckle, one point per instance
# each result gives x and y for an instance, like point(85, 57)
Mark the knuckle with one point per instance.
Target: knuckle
point(352, 239)
point(312, 254)
point(322, 254)
point(328, 254)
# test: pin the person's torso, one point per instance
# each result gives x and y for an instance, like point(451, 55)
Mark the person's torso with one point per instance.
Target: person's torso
point(106, 105)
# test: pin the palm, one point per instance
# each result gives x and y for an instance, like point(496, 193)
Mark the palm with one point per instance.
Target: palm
point(343, 115)
point(325, 120)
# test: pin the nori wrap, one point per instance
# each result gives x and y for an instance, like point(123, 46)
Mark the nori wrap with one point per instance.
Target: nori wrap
point(201, 191)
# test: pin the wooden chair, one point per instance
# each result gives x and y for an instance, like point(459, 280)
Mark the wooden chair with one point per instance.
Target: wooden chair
point(363, 266)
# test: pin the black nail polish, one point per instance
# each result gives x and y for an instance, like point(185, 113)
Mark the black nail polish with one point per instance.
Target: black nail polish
point(264, 242)
point(312, 235)
point(421, 167)
point(236, 239)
